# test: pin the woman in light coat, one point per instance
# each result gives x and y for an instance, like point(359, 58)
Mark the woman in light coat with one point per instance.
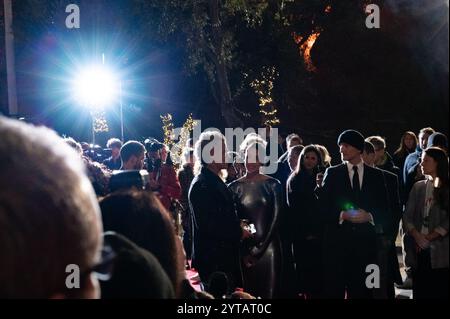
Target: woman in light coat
point(426, 220)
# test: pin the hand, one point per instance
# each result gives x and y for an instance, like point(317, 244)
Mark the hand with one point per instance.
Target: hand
point(245, 233)
point(432, 236)
point(421, 240)
point(359, 216)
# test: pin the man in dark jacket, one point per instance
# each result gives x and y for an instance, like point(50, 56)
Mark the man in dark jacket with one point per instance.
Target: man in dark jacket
point(411, 170)
point(383, 160)
point(387, 254)
point(354, 208)
point(114, 162)
point(283, 169)
point(216, 229)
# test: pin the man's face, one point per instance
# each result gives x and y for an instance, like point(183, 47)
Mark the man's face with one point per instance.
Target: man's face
point(154, 155)
point(348, 152)
point(423, 140)
point(379, 154)
point(293, 160)
point(115, 152)
point(137, 161)
point(218, 155)
point(368, 158)
point(293, 142)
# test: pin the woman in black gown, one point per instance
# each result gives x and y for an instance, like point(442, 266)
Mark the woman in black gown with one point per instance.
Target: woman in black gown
point(258, 199)
point(304, 220)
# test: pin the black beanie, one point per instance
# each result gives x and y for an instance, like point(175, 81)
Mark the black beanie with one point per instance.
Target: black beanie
point(353, 138)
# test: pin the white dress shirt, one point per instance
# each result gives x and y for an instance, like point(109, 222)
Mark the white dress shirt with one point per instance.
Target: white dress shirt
point(351, 172)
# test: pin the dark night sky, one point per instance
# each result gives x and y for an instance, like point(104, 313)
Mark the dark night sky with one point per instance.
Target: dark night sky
point(156, 83)
point(152, 80)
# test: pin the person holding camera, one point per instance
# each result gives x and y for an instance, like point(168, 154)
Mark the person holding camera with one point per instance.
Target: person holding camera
point(163, 177)
point(304, 221)
point(354, 209)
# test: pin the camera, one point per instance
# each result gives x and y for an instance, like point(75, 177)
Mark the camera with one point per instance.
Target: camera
point(128, 179)
point(96, 153)
point(249, 227)
point(252, 228)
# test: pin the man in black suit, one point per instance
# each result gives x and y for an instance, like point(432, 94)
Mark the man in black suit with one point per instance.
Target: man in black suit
point(283, 168)
point(353, 206)
point(216, 229)
point(387, 253)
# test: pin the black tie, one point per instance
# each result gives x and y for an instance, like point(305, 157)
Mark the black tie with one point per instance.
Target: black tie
point(356, 187)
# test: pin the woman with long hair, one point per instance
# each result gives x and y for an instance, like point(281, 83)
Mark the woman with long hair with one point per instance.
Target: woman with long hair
point(258, 200)
point(426, 220)
point(408, 144)
point(303, 210)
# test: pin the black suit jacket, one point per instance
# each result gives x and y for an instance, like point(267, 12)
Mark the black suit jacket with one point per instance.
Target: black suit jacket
point(216, 228)
point(393, 197)
point(336, 195)
point(395, 212)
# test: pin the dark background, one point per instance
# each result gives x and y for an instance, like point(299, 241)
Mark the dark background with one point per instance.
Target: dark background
point(380, 81)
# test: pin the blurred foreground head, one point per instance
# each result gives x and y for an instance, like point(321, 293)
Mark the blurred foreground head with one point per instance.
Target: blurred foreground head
point(139, 216)
point(49, 216)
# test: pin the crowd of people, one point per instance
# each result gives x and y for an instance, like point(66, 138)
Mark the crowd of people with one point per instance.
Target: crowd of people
point(136, 222)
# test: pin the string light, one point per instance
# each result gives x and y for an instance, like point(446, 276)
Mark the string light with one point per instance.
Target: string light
point(100, 124)
point(263, 88)
point(167, 129)
point(176, 149)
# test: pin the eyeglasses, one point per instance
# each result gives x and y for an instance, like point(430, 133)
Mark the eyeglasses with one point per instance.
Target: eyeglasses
point(103, 270)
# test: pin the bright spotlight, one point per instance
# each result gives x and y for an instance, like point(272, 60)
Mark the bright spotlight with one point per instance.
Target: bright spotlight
point(95, 86)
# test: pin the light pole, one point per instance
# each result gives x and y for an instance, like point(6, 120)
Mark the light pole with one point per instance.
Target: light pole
point(121, 113)
point(10, 63)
